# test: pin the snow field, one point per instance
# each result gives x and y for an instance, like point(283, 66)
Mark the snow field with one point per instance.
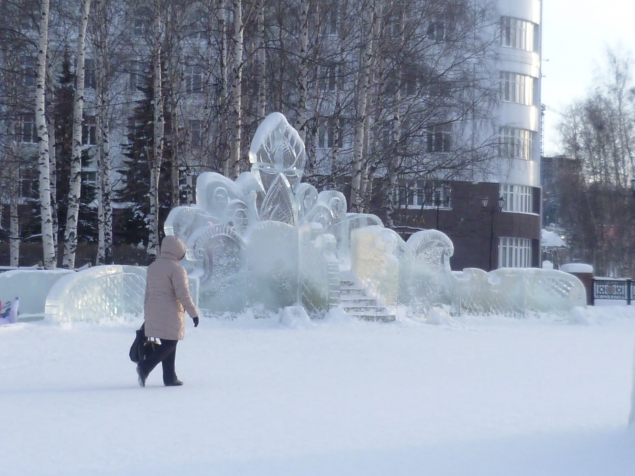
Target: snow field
point(491, 396)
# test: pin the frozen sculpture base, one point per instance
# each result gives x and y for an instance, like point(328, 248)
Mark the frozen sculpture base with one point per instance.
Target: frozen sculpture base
point(268, 238)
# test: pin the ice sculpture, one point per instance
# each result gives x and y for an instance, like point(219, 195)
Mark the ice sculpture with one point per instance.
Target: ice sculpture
point(96, 294)
point(31, 286)
point(269, 238)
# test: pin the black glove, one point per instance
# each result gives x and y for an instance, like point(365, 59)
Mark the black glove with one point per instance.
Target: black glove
point(195, 319)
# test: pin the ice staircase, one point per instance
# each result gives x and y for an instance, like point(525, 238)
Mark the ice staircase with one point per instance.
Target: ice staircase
point(356, 302)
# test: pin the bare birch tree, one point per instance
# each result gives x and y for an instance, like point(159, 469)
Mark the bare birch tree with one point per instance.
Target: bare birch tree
point(102, 99)
point(369, 28)
point(48, 243)
point(159, 129)
point(75, 189)
point(233, 167)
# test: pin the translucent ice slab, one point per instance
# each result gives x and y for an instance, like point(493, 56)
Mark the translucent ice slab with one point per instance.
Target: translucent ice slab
point(31, 286)
point(98, 293)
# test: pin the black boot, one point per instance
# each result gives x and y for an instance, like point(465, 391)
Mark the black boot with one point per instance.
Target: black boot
point(173, 383)
point(142, 376)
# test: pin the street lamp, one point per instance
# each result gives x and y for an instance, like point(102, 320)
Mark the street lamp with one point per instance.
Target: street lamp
point(445, 201)
point(499, 209)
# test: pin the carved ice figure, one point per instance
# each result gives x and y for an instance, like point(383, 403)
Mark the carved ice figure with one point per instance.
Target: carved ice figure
point(427, 274)
point(376, 253)
point(277, 148)
point(516, 291)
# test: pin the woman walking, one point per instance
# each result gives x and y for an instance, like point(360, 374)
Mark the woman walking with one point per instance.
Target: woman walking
point(167, 296)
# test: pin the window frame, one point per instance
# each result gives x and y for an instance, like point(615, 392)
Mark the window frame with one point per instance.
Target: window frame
point(518, 198)
point(423, 195)
point(516, 88)
point(518, 33)
point(514, 252)
point(89, 131)
point(515, 143)
point(28, 129)
point(439, 138)
point(193, 75)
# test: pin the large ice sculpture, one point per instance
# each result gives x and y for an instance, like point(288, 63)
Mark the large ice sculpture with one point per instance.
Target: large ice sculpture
point(266, 237)
point(269, 238)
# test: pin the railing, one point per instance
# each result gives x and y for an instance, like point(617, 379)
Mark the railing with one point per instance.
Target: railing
point(610, 289)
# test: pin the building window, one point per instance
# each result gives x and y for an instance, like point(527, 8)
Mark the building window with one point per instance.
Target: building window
point(518, 88)
point(89, 73)
point(514, 253)
point(28, 66)
point(330, 132)
point(29, 183)
point(518, 198)
point(193, 79)
point(196, 133)
point(195, 28)
point(138, 27)
point(89, 177)
point(409, 81)
point(424, 194)
point(516, 33)
point(28, 130)
point(438, 89)
point(327, 77)
point(136, 76)
point(333, 17)
point(441, 28)
point(515, 143)
point(439, 138)
point(89, 130)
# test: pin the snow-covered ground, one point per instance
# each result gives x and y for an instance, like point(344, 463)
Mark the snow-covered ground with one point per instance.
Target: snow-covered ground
point(474, 396)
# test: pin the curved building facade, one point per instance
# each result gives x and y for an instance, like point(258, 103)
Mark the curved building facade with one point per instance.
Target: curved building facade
point(494, 217)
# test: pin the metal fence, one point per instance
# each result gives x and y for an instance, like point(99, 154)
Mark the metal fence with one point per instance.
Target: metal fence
point(609, 289)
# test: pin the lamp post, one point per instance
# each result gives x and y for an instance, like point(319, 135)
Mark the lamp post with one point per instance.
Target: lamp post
point(499, 209)
point(445, 201)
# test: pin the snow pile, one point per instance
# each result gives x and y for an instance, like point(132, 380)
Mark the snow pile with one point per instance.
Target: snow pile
point(576, 268)
point(551, 239)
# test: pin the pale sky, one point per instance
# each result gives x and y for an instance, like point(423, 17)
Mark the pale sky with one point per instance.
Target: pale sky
point(574, 37)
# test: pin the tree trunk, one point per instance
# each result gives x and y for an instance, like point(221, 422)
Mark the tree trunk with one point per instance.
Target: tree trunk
point(48, 244)
point(303, 73)
point(236, 93)
point(262, 63)
point(50, 124)
point(368, 30)
point(104, 186)
point(157, 156)
point(75, 188)
point(14, 197)
point(224, 88)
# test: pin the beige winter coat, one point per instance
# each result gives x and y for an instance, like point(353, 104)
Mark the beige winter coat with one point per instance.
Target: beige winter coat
point(167, 293)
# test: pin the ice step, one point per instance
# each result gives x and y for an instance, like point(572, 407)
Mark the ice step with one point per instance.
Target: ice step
point(384, 317)
point(355, 302)
point(365, 309)
point(348, 282)
point(352, 292)
point(358, 300)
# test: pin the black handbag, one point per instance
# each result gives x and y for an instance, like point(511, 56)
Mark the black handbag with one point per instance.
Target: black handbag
point(142, 347)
